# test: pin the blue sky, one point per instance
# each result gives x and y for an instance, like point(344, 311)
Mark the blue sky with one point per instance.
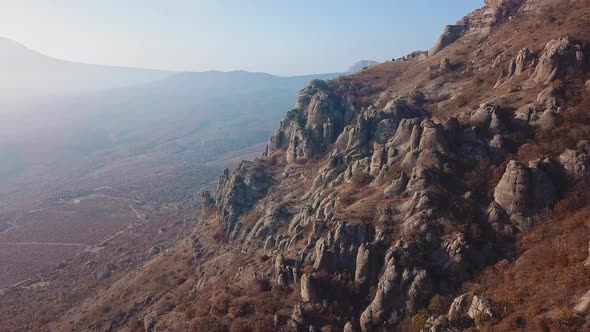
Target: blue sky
point(276, 36)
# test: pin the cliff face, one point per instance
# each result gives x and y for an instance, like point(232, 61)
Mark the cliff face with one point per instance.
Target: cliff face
point(385, 195)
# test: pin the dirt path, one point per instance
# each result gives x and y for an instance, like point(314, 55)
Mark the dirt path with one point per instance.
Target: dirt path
point(12, 223)
point(138, 214)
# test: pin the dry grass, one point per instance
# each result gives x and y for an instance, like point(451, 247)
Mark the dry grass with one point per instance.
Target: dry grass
point(548, 274)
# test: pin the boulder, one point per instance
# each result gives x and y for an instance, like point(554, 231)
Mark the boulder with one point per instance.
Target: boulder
point(524, 190)
point(445, 65)
point(518, 64)
point(320, 254)
point(575, 162)
point(154, 250)
point(459, 306)
point(536, 116)
point(308, 289)
point(348, 327)
point(488, 115)
point(523, 60)
point(378, 159)
point(421, 179)
point(559, 56)
point(436, 324)
point(401, 290)
point(432, 137)
point(451, 257)
point(418, 142)
point(583, 305)
point(479, 306)
point(361, 272)
point(547, 98)
point(397, 186)
point(587, 262)
point(297, 315)
point(499, 220)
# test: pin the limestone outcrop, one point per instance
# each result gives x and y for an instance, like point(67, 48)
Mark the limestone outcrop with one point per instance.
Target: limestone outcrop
point(559, 57)
point(479, 307)
point(362, 268)
point(524, 190)
point(523, 60)
point(450, 34)
point(239, 193)
point(401, 290)
point(576, 162)
point(316, 120)
point(308, 289)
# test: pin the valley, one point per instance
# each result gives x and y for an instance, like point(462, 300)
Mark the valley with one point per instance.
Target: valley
point(444, 190)
point(83, 166)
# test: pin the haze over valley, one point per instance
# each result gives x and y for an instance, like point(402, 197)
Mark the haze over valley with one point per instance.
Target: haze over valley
point(82, 145)
point(417, 166)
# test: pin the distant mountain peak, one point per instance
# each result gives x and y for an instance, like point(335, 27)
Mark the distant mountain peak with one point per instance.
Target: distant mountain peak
point(360, 65)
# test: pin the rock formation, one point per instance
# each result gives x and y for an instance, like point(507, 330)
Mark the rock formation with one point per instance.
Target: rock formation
point(559, 57)
point(386, 189)
point(449, 35)
point(524, 190)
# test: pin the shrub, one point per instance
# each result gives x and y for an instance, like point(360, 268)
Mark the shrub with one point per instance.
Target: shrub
point(558, 86)
point(211, 324)
point(264, 323)
point(418, 321)
point(220, 304)
point(481, 318)
point(218, 234)
point(361, 179)
point(295, 115)
point(135, 324)
point(534, 309)
point(541, 324)
point(240, 326)
point(262, 285)
point(438, 305)
point(240, 307)
point(517, 322)
point(568, 318)
point(346, 198)
point(308, 269)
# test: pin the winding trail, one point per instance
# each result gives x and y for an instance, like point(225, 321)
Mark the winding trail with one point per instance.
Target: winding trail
point(12, 223)
point(141, 218)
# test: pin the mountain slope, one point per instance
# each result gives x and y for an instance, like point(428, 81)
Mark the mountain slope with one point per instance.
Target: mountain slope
point(28, 74)
point(440, 192)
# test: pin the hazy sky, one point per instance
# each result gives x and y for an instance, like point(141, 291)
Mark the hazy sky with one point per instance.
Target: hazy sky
point(276, 36)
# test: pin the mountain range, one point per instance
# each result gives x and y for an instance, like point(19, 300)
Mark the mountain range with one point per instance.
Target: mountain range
point(69, 116)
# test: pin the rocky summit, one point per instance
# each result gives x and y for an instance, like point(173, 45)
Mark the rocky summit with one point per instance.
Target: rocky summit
point(444, 191)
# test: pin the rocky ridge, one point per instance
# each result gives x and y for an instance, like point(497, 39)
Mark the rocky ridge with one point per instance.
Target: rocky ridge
point(385, 195)
point(404, 251)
